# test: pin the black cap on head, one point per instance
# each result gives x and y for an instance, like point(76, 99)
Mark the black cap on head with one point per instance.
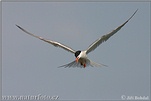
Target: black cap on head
point(77, 53)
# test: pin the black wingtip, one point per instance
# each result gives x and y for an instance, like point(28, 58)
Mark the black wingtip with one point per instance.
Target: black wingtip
point(133, 14)
point(18, 26)
point(135, 11)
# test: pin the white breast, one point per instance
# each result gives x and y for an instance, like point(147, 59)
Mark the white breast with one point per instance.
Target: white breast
point(83, 55)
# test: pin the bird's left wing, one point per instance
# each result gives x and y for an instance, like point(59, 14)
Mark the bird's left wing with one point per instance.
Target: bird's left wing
point(106, 37)
point(56, 44)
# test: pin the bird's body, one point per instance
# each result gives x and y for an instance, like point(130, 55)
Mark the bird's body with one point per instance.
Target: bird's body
point(81, 56)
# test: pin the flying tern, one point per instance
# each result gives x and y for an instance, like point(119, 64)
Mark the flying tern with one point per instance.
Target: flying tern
point(81, 56)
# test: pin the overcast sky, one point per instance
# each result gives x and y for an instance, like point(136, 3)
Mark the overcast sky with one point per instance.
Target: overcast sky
point(30, 66)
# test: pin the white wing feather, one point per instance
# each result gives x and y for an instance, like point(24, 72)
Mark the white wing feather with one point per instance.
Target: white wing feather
point(106, 37)
point(56, 44)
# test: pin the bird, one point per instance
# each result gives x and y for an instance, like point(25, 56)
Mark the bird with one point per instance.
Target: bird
point(81, 59)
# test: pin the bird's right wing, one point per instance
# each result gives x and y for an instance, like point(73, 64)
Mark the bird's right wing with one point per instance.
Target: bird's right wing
point(56, 44)
point(105, 37)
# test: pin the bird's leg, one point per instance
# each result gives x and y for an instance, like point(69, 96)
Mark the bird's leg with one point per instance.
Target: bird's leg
point(84, 65)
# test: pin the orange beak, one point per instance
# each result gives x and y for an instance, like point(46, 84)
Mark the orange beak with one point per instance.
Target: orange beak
point(77, 59)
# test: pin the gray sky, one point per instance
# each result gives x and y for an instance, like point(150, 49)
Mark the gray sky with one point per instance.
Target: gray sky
point(29, 65)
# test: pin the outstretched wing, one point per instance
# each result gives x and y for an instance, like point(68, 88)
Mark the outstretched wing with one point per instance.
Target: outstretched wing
point(56, 44)
point(106, 37)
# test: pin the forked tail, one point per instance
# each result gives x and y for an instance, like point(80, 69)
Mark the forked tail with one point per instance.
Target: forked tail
point(88, 63)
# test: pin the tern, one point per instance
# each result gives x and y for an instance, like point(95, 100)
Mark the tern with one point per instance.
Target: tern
point(81, 56)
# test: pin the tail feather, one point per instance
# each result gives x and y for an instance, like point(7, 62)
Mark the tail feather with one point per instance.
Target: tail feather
point(72, 64)
point(88, 63)
point(94, 64)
